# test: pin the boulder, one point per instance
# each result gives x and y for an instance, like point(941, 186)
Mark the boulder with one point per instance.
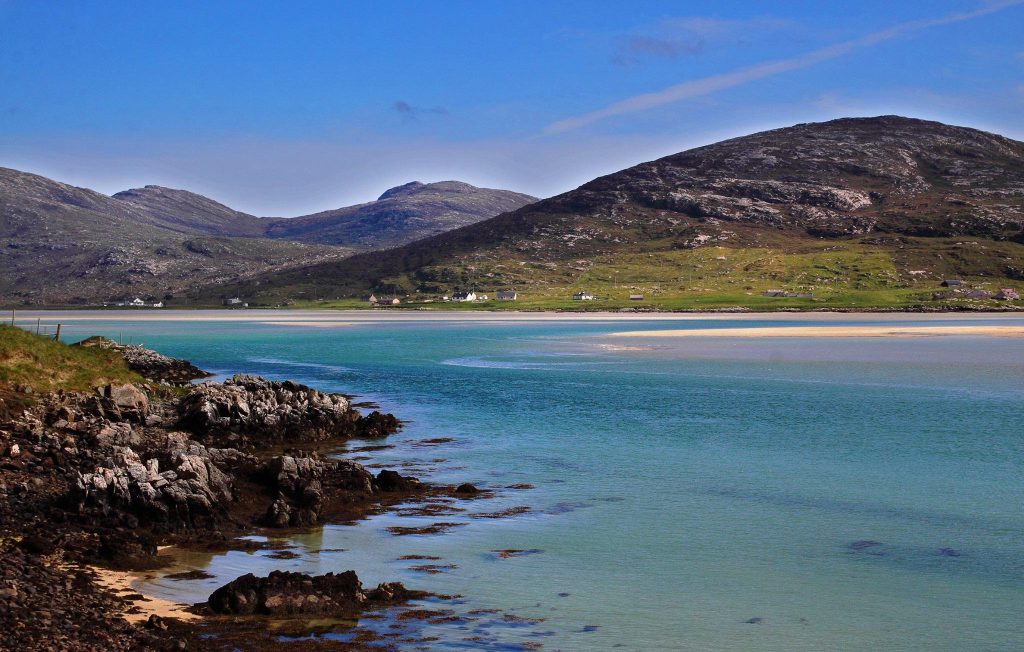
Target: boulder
point(129, 399)
point(282, 594)
point(391, 481)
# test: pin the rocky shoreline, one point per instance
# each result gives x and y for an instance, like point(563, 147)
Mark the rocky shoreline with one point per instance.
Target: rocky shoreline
point(104, 478)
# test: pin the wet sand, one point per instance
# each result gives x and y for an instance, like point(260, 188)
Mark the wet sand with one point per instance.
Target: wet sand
point(834, 331)
point(123, 583)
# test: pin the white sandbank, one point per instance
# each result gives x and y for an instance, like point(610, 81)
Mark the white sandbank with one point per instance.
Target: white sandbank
point(834, 331)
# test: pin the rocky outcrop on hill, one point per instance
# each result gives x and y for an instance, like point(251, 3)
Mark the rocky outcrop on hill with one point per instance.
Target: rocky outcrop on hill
point(149, 364)
point(283, 594)
point(248, 410)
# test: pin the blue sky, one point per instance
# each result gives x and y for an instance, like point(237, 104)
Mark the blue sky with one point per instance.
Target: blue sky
point(288, 108)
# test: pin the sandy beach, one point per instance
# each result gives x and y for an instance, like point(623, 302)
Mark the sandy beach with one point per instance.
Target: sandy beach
point(834, 331)
point(123, 582)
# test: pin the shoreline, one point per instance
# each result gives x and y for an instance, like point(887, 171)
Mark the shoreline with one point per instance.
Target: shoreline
point(233, 499)
point(829, 331)
point(123, 583)
point(343, 318)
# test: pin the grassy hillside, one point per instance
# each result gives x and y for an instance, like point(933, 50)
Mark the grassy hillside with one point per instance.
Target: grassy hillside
point(861, 273)
point(46, 365)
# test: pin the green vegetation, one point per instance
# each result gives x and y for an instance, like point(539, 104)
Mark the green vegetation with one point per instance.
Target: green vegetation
point(847, 274)
point(45, 365)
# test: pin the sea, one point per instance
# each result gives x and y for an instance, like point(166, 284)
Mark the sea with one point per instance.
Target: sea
point(757, 493)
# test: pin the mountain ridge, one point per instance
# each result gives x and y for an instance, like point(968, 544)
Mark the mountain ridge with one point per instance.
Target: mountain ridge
point(161, 242)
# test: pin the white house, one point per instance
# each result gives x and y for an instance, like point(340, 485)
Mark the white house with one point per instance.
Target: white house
point(464, 296)
point(136, 302)
point(583, 296)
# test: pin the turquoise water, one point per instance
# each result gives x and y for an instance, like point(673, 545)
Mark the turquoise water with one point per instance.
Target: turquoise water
point(683, 487)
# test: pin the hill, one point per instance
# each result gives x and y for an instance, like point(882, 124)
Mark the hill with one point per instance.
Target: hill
point(65, 245)
point(186, 212)
point(401, 215)
point(856, 211)
point(62, 245)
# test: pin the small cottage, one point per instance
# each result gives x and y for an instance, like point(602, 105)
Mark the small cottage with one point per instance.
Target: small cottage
point(507, 295)
point(1007, 294)
point(583, 296)
point(233, 301)
point(464, 296)
point(952, 283)
point(636, 297)
point(371, 299)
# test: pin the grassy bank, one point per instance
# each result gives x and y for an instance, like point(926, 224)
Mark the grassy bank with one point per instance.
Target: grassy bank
point(45, 365)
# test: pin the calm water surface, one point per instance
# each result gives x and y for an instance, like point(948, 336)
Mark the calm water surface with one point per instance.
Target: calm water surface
point(838, 494)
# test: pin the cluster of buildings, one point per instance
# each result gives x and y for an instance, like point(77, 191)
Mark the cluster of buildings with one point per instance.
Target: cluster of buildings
point(959, 290)
point(133, 303)
point(383, 300)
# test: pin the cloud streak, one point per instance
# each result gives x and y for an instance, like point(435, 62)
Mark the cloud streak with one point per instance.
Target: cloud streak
point(673, 38)
point(715, 83)
point(411, 112)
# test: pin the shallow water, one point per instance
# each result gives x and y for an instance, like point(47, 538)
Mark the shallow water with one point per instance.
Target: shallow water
point(838, 493)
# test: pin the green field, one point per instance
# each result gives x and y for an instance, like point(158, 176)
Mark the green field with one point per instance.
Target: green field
point(845, 275)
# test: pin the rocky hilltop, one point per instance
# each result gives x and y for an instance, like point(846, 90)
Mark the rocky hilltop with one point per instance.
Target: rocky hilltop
point(65, 245)
point(400, 215)
point(897, 192)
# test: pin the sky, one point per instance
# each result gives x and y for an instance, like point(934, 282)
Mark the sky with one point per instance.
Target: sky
point(285, 109)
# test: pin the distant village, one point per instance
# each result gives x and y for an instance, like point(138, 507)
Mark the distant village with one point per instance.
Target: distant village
point(952, 289)
point(470, 296)
point(133, 303)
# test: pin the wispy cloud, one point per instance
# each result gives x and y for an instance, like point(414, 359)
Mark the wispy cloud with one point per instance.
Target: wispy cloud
point(714, 83)
point(663, 48)
point(672, 38)
point(411, 112)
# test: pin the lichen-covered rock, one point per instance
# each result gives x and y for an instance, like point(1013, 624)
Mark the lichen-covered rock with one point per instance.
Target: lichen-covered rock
point(296, 594)
point(131, 401)
point(250, 410)
point(184, 487)
point(305, 483)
